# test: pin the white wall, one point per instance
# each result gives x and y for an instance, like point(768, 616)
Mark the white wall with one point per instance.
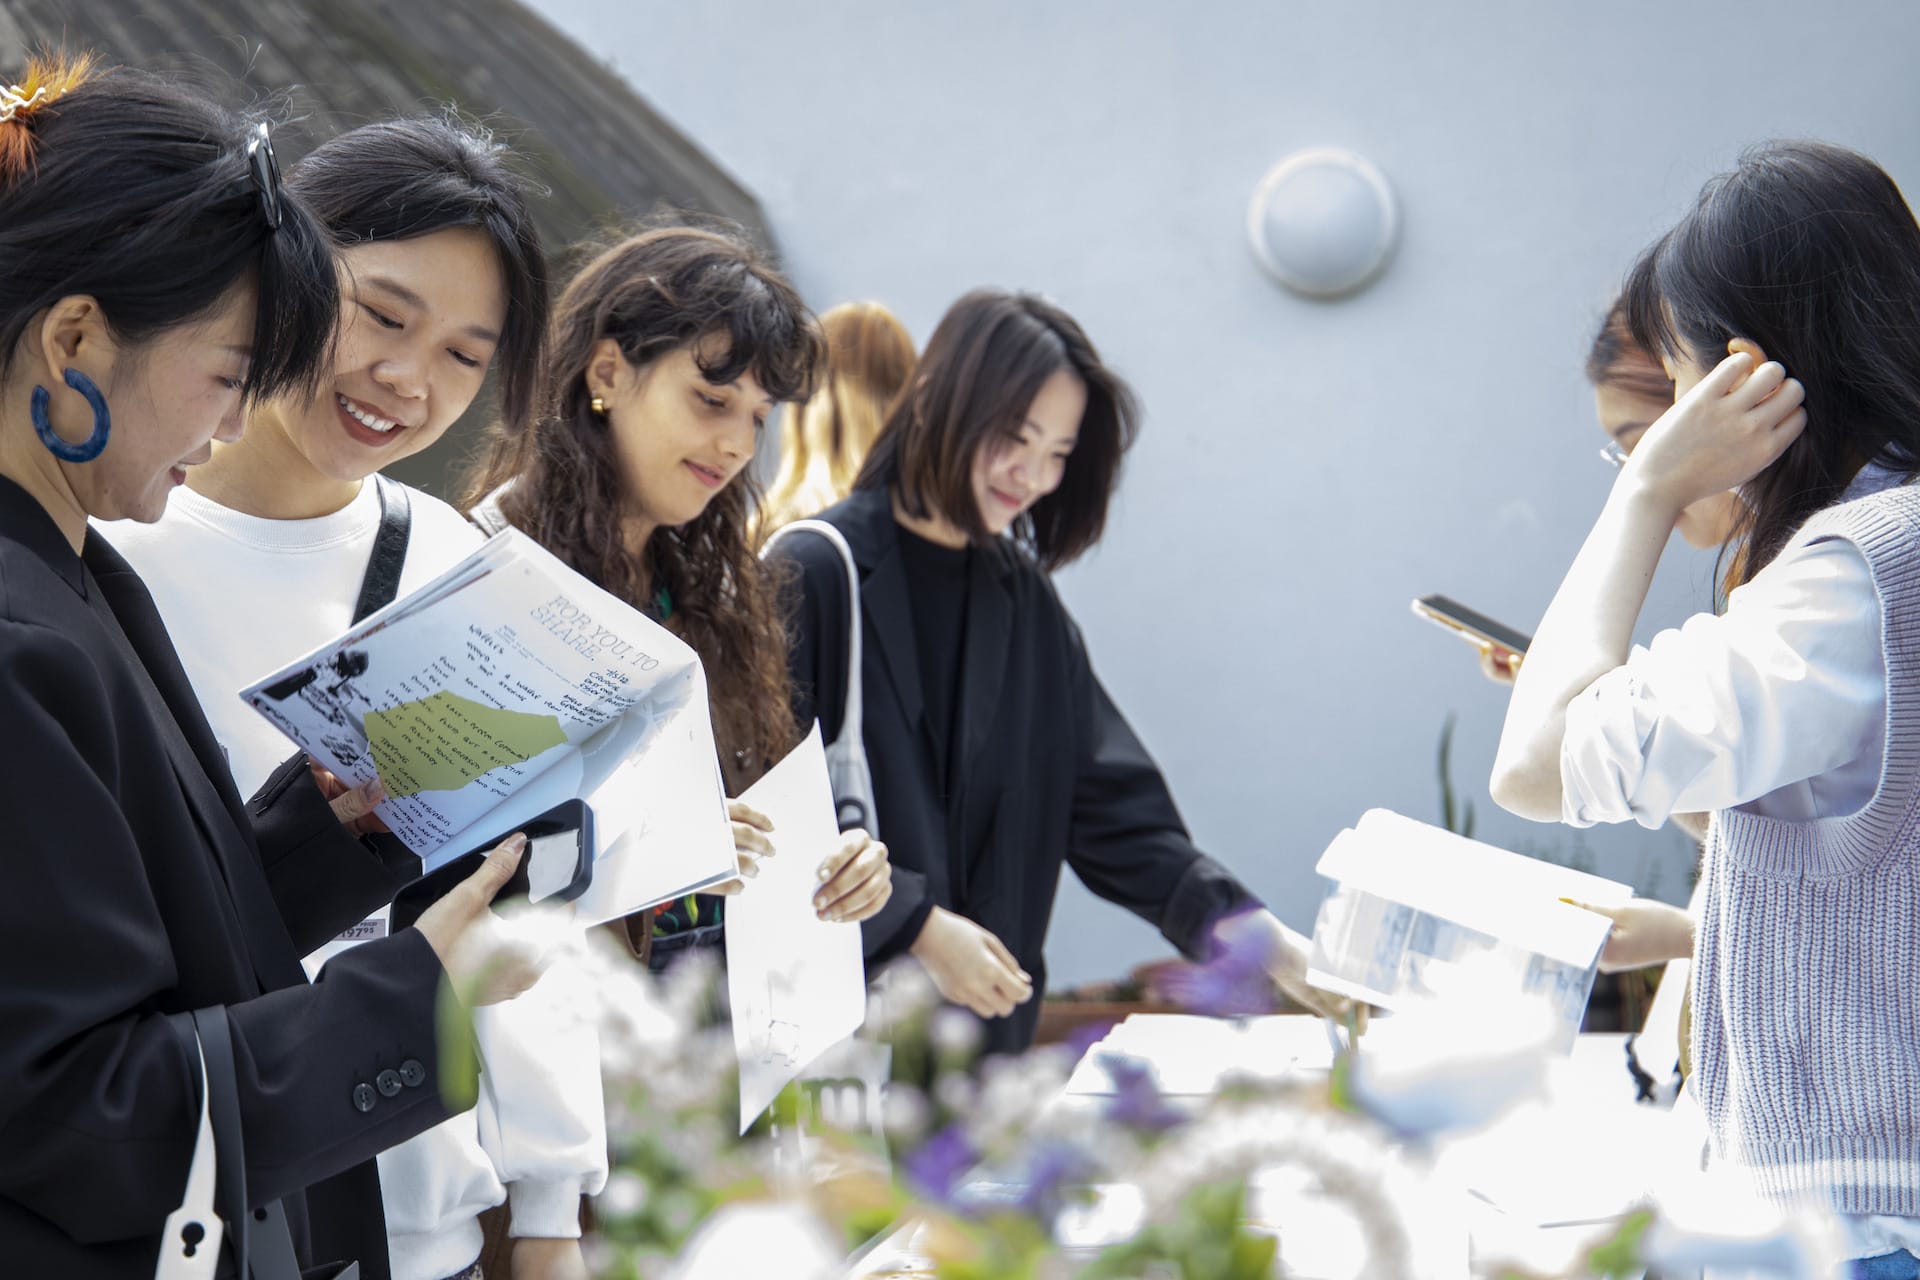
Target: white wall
point(1306, 467)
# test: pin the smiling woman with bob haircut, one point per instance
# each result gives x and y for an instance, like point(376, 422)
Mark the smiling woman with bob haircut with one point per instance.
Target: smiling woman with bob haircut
point(996, 754)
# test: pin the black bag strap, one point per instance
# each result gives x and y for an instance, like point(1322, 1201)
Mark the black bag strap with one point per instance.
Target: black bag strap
point(262, 1243)
point(382, 582)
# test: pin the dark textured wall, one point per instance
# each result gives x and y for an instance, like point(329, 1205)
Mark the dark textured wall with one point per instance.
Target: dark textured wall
point(601, 151)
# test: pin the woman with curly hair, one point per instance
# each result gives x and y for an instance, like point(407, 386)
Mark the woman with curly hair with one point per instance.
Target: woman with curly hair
point(668, 353)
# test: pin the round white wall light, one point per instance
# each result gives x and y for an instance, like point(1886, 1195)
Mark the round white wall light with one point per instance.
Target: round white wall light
point(1323, 222)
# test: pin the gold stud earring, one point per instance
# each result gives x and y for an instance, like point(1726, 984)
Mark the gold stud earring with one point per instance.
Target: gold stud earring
point(598, 406)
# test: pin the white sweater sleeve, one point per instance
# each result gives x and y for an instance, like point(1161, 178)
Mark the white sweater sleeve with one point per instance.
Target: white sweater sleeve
point(1786, 689)
point(541, 1112)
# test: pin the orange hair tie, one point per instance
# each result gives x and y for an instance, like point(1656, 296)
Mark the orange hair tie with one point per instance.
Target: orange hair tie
point(48, 78)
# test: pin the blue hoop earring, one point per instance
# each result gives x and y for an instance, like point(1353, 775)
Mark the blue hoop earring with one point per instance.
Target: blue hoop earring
point(94, 445)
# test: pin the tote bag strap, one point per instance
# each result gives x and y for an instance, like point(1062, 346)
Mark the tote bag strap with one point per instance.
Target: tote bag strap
point(850, 715)
point(260, 1241)
point(382, 581)
point(190, 1242)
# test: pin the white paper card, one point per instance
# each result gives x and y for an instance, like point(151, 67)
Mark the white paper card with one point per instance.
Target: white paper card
point(797, 984)
point(550, 863)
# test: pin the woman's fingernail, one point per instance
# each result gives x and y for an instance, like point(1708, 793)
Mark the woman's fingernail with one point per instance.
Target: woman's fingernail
point(826, 872)
point(376, 792)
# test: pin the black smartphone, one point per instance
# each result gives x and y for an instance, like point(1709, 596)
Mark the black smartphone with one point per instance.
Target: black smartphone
point(557, 866)
point(1465, 623)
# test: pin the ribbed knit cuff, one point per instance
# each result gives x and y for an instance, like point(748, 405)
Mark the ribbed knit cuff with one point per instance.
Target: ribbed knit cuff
point(546, 1210)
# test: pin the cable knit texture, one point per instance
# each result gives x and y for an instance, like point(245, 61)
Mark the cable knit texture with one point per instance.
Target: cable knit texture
point(1806, 990)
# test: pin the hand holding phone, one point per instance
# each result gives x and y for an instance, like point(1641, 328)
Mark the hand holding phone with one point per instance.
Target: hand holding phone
point(1501, 647)
point(557, 866)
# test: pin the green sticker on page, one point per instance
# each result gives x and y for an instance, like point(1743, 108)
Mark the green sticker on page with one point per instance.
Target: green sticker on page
point(444, 741)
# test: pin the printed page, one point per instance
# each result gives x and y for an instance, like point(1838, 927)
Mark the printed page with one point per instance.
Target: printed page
point(798, 985)
point(462, 694)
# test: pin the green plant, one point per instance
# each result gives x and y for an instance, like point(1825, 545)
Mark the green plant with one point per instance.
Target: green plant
point(1455, 816)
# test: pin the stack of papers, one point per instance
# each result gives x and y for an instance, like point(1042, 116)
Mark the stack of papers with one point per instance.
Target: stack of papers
point(504, 687)
point(1419, 913)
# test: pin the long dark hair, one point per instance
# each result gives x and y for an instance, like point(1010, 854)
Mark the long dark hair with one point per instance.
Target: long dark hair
point(402, 179)
point(1808, 250)
point(137, 191)
point(983, 366)
point(653, 294)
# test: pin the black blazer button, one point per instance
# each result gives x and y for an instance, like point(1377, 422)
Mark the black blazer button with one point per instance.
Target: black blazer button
point(389, 1082)
point(412, 1074)
point(364, 1098)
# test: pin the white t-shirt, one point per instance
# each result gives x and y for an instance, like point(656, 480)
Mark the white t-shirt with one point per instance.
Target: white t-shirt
point(243, 596)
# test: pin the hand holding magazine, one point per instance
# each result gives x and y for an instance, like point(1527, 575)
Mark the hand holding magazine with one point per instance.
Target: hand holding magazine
point(502, 688)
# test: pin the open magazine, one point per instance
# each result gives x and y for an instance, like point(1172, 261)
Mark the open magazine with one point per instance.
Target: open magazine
point(503, 687)
point(1421, 913)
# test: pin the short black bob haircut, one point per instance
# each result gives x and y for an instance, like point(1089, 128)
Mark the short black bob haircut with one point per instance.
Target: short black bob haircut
point(982, 368)
point(136, 191)
point(1809, 251)
point(403, 179)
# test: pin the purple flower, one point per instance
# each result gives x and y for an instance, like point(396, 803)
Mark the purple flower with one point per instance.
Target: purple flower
point(1137, 1103)
point(1233, 982)
point(1087, 1035)
point(1048, 1168)
point(937, 1167)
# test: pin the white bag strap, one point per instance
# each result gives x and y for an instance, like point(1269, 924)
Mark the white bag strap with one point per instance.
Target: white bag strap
point(850, 717)
point(190, 1243)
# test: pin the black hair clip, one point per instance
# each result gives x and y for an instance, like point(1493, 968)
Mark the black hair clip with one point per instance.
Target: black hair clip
point(265, 172)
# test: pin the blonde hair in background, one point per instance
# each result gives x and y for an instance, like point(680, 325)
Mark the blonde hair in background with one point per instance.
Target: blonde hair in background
point(870, 356)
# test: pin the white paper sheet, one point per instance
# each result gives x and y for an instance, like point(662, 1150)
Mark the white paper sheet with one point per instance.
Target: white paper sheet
point(1190, 1056)
point(797, 984)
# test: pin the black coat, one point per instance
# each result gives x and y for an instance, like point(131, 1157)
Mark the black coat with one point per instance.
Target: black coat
point(1048, 769)
point(138, 884)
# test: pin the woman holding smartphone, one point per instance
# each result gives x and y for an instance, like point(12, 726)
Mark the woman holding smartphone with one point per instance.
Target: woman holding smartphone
point(669, 352)
point(159, 282)
point(996, 754)
point(1787, 714)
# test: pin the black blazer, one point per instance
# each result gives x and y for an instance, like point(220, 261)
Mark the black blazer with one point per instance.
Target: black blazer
point(137, 884)
point(1049, 770)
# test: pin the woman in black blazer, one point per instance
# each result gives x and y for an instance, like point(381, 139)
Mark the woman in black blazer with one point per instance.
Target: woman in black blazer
point(155, 279)
point(996, 754)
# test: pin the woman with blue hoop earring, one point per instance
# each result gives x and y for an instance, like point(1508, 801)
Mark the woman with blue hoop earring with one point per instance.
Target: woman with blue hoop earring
point(96, 442)
point(144, 893)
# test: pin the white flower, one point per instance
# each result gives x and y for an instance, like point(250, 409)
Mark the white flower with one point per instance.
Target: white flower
point(761, 1239)
point(626, 1194)
point(955, 1032)
point(906, 1113)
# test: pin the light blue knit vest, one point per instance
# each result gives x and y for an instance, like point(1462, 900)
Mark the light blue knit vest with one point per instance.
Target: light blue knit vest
point(1806, 982)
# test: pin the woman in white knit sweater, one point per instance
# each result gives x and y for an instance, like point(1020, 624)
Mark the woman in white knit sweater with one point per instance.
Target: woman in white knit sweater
point(1793, 715)
point(266, 554)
